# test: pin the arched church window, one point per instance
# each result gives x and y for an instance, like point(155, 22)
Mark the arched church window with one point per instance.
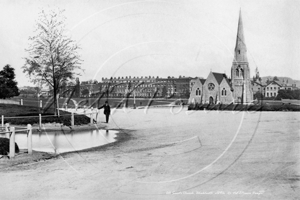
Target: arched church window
point(241, 73)
point(223, 92)
point(237, 72)
point(198, 92)
point(239, 51)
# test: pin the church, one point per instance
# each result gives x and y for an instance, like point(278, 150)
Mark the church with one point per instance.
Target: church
point(218, 88)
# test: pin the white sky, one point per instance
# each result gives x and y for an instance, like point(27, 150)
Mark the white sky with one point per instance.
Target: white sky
point(162, 38)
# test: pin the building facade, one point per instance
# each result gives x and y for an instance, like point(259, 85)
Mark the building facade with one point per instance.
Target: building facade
point(271, 89)
point(143, 87)
point(214, 89)
point(257, 86)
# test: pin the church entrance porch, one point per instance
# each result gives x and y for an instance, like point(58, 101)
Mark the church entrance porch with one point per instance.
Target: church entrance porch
point(239, 100)
point(211, 100)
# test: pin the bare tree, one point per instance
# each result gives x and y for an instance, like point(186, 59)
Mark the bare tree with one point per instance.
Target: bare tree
point(53, 56)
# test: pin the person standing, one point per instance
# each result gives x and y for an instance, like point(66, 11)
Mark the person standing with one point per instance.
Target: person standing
point(106, 110)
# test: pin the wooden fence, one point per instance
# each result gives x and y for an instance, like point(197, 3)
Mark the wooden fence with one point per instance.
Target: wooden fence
point(10, 133)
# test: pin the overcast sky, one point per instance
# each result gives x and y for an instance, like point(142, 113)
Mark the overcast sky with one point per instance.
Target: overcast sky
point(162, 38)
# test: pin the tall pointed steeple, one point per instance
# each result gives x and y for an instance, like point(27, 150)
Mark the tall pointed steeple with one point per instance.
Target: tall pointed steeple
point(240, 51)
point(240, 71)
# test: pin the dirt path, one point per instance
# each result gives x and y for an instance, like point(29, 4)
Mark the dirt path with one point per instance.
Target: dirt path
point(174, 156)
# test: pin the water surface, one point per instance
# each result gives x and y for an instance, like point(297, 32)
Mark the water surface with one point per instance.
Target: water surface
point(60, 142)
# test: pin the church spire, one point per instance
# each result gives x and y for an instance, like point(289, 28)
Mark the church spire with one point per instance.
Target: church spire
point(240, 51)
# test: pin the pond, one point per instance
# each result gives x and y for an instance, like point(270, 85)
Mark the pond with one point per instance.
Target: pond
point(60, 142)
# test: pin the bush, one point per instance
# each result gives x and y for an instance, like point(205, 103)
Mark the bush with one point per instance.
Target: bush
point(4, 146)
point(288, 94)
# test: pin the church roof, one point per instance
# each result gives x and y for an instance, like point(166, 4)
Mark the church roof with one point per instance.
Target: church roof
point(202, 80)
point(219, 77)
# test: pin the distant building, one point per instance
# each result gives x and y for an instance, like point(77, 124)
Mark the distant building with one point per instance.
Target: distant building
point(176, 87)
point(218, 88)
point(146, 87)
point(258, 87)
point(271, 89)
point(286, 86)
point(28, 91)
point(122, 86)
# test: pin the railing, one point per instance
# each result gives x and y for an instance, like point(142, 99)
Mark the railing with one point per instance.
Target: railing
point(10, 133)
point(85, 113)
point(89, 112)
point(8, 101)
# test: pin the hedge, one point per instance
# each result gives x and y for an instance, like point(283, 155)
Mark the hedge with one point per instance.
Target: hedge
point(241, 107)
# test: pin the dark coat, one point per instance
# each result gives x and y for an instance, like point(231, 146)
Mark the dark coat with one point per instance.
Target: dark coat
point(106, 109)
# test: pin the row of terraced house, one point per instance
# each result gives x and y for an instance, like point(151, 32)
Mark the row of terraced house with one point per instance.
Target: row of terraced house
point(140, 87)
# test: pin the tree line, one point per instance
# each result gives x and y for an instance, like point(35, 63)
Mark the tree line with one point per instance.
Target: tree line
point(8, 85)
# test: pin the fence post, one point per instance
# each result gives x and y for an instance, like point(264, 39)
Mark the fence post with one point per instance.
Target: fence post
point(21, 102)
point(2, 120)
point(12, 143)
point(66, 106)
point(29, 138)
point(97, 111)
point(40, 121)
point(91, 118)
point(7, 129)
point(72, 120)
point(134, 99)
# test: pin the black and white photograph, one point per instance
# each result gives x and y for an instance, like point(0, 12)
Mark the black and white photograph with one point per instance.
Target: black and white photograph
point(150, 99)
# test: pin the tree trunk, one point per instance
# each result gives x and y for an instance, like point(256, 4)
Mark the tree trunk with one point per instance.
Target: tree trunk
point(54, 90)
point(55, 100)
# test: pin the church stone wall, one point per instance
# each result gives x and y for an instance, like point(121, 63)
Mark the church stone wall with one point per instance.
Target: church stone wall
point(226, 97)
point(241, 82)
point(195, 96)
point(210, 93)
